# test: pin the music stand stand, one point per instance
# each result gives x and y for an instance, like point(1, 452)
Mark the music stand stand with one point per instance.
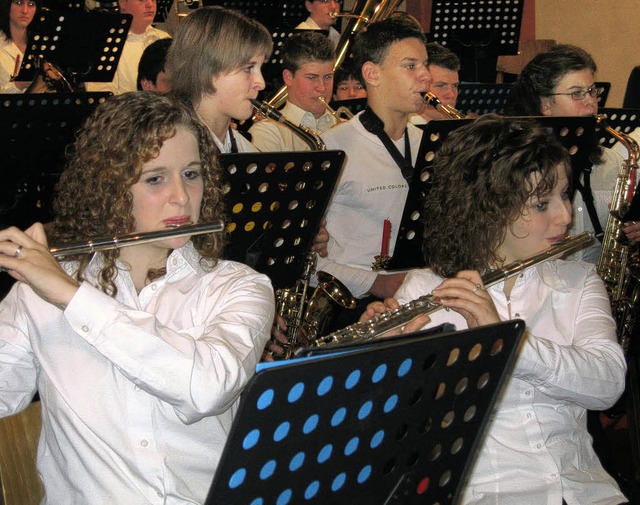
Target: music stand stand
point(481, 98)
point(85, 46)
point(34, 132)
point(275, 204)
point(575, 134)
point(390, 422)
point(477, 31)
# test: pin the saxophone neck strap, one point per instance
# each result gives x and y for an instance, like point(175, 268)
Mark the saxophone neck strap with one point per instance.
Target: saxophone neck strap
point(587, 198)
point(234, 144)
point(373, 124)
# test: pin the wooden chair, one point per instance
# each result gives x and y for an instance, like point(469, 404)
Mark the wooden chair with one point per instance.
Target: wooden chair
point(19, 478)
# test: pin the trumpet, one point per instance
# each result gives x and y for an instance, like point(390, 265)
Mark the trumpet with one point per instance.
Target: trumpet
point(131, 239)
point(446, 110)
point(341, 114)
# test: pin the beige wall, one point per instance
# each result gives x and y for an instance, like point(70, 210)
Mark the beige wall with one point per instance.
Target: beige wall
point(608, 29)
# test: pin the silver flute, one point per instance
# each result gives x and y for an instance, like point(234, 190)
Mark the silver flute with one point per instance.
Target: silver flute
point(106, 243)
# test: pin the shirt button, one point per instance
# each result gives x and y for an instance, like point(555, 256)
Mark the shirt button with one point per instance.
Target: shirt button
point(154, 287)
point(527, 393)
point(539, 445)
point(136, 388)
point(85, 328)
point(144, 443)
point(174, 262)
point(529, 415)
point(160, 494)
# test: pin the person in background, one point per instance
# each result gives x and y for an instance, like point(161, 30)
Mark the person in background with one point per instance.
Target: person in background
point(561, 82)
point(139, 354)
point(151, 69)
point(214, 63)
point(141, 35)
point(308, 60)
point(347, 84)
point(444, 67)
point(15, 18)
point(505, 184)
point(321, 17)
point(364, 213)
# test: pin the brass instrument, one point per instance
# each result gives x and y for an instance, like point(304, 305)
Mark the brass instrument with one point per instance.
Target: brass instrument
point(341, 114)
point(428, 304)
point(131, 239)
point(363, 13)
point(618, 266)
point(446, 110)
point(308, 317)
point(312, 139)
point(48, 79)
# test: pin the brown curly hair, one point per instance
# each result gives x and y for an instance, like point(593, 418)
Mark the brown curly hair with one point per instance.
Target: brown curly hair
point(93, 196)
point(481, 183)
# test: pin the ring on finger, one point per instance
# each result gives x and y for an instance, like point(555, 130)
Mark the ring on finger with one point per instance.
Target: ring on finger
point(478, 288)
point(18, 251)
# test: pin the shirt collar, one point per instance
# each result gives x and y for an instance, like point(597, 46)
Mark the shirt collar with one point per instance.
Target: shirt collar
point(301, 117)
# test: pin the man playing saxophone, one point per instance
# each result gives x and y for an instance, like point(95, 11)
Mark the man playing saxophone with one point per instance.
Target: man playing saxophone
point(505, 184)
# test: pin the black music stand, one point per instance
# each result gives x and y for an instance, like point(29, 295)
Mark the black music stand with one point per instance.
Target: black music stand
point(606, 87)
point(281, 14)
point(86, 46)
point(355, 105)
point(480, 98)
point(275, 202)
point(390, 422)
point(477, 31)
point(64, 5)
point(623, 120)
point(575, 133)
point(34, 132)
point(162, 10)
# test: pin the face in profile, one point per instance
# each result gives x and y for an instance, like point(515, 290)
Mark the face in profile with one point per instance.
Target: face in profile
point(169, 192)
point(543, 221)
point(320, 11)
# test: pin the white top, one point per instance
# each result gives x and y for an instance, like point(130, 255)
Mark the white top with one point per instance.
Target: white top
point(537, 448)
point(370, 189)
point(8, 54)
point(138, 392)
point(271, 136)
point(310, 24)
point(126, 75)
point(243, 145)
point(603, 181)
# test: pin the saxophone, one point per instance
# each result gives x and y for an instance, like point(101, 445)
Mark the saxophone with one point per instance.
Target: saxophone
point(428, 304)
point(619, 264)
point(446, 110)
point(308, 317)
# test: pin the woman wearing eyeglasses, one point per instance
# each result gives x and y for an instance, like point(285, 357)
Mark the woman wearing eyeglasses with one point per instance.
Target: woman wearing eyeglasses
point(15, 19)
point(561, 82)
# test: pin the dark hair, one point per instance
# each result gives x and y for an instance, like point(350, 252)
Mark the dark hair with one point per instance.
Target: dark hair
point(372, 43)
point(93, 195)
point(481, 182)
point(5, 22)
point(152, 61)
point(442, 57)
point(541, 75)
point(345, 72)
point(306, 46)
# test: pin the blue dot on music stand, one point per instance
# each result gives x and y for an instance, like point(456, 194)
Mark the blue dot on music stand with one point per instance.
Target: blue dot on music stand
point(251, 439)
point(352, 446)
point(310, 424)
point(267, 469)
point(325, 385)
point(312, 490)
point(405, 367)
point(296, 462)
point(265, 399)
point(284, 498)
point(338, 416)
point(237, 478)
point(379, 373)
point(296, 392)
point(352, 379)
point(281, 431)
point(365, 410)
point(377, 439)
point(391, 403)
point(338, 482)
point(364, 474)
point(325, 453)
point(257, 501)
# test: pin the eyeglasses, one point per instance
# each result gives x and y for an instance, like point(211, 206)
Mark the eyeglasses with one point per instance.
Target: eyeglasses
point(594, 91)
point(19, 3)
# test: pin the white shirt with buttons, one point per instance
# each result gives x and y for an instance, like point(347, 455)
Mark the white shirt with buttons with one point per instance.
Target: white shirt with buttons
point(537, 448)
point(138, 392)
